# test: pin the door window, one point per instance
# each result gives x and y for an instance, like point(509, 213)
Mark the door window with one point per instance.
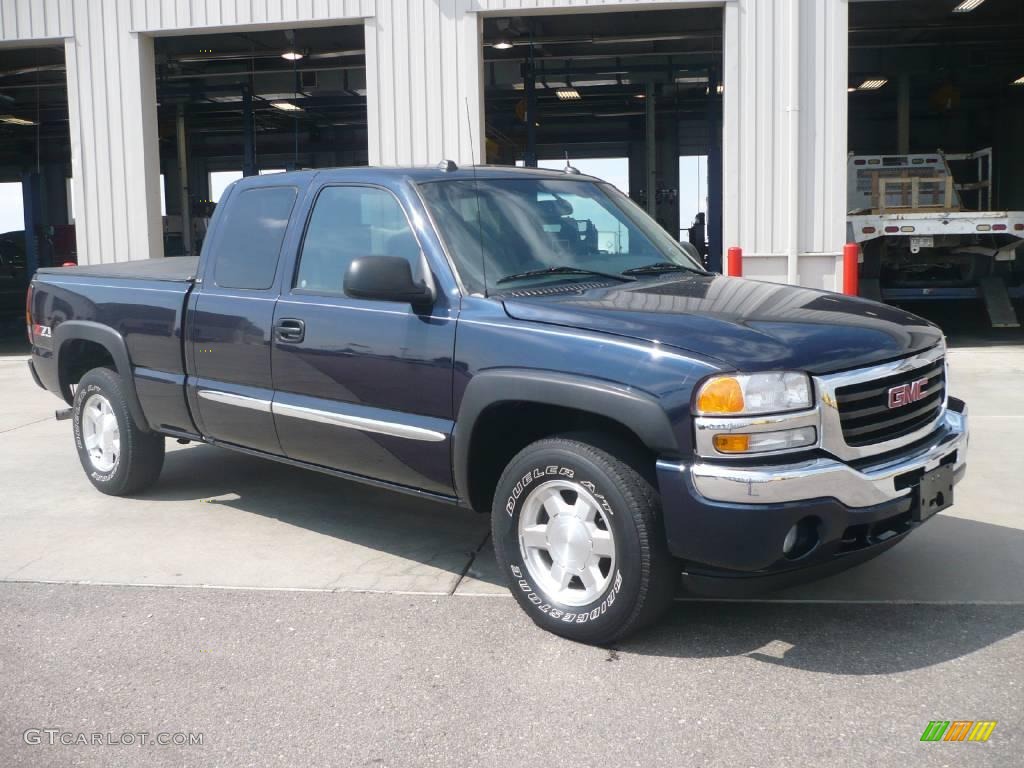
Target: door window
point(349, 222)
point(249, 244)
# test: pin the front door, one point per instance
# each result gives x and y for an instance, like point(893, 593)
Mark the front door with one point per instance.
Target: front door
point(229, 332)
point(362, 386)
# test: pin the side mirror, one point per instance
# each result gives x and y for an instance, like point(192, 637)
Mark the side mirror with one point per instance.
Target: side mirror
point(386, 278)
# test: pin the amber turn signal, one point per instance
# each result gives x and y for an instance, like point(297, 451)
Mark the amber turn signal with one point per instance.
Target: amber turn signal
point(721, 395)
point(732, 443)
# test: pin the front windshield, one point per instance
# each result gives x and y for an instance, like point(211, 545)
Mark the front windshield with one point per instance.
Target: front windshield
point(499, 229)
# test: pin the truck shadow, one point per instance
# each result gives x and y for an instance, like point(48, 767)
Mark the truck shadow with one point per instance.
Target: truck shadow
point(405, 527)
point(964, 562)
point(835, 638)
point(950, 590)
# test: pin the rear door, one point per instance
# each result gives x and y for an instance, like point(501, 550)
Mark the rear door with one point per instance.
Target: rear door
point(363, 386)
point(231, 316)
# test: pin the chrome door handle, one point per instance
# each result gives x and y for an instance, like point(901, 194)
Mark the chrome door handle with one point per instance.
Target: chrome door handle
point(290, 331)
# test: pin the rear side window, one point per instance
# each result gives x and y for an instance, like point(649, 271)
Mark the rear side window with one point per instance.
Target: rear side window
point(250, 239)
point(349, 222)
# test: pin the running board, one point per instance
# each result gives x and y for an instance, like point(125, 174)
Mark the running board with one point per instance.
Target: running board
point(997, 302)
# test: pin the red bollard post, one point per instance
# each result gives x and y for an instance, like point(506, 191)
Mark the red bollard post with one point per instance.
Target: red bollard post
point(851, 268)
point(734, 266)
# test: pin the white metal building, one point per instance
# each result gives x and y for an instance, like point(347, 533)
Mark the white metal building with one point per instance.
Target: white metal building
point(784, 84)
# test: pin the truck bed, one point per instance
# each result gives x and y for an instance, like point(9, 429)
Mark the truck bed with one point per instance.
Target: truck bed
point(176, 269)
point(135, 306)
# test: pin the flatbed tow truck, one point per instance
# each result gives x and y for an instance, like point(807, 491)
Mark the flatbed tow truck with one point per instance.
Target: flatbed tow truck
point(924, 235)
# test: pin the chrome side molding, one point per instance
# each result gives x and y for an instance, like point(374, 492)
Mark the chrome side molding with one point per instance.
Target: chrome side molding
point(394, 429)
point(227, 398)
point(347, 421)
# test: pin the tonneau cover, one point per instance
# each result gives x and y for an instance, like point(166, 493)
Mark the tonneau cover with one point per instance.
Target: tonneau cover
point(176, 269)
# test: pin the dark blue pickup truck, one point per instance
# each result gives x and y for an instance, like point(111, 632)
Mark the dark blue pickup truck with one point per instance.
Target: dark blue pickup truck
point(529, 344)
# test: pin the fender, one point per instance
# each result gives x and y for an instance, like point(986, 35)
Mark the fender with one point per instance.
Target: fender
point(113, 342)
point(638, 411)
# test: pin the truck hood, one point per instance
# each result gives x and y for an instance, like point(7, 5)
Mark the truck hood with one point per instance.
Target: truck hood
point(746, 324)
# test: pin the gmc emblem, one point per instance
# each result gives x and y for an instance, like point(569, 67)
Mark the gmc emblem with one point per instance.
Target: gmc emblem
point(905, 394)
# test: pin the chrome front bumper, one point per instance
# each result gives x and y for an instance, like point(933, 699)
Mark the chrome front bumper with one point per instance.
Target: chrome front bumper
point(817, 478)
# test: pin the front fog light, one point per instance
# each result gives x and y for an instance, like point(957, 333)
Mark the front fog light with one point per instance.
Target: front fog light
point(790, 541)
point(760, 442)
point(801, 539)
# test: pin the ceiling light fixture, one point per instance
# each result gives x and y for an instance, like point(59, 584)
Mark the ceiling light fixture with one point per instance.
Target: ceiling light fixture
point(502, 44)
point(967, 6)
point(568, 94)
point(1019, 80)
point(293, 55)
point(12, 120)
point(872, 84)
point(286, 106)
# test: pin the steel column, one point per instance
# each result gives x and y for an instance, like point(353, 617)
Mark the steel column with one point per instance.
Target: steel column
point(248, 135)
point(903, 115)
point(530, 89)
point(651, 151)
point(32, 203)
point(186, 202)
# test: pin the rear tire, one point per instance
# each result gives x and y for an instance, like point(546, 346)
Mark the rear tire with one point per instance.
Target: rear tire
point(118, 457)
point(578, 534)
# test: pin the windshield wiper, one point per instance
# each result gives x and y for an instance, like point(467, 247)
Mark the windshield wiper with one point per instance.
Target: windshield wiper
point(659, 267)
point(563, 271)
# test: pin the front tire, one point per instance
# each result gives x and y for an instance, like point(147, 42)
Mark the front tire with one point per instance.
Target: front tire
point(578, 534)
point(118, 458)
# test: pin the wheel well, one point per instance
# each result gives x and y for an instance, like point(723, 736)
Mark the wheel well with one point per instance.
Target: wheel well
point(504, 429)
point(77, 358)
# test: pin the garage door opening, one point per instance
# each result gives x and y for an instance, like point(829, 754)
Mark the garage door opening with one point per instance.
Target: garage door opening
point(694, 201)
point(241, 104)
point(623, 95)
point(12, 207)
point(35, 161)
point(936, 171)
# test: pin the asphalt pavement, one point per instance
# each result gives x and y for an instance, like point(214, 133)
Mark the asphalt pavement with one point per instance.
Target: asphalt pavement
point(351, 679)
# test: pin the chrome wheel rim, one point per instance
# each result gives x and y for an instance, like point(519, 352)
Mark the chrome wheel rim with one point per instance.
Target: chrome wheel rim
point(100, 433)
point(567, 543)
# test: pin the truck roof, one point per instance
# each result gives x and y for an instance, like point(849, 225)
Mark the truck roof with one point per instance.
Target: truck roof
point(431, 173)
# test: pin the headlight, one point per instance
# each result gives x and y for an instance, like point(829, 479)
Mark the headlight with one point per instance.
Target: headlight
point(746, 394)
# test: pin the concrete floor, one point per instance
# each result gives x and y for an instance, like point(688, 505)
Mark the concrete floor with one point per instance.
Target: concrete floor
point(928, 630)
point(219, 518)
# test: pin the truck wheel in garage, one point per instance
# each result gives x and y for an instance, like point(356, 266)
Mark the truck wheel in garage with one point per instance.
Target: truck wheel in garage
point(117, 456)
point(578, 534)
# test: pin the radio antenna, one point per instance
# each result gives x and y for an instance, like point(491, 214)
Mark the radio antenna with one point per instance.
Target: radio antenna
point(476, 193)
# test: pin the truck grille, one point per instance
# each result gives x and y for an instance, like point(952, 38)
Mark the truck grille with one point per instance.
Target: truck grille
point(864, 411)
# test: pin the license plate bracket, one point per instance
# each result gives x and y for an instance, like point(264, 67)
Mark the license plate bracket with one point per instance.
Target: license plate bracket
point(934, 493)
point(921, 241)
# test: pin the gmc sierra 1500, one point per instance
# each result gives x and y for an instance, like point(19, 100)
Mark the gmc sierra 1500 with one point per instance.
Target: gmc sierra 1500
point(526, 343)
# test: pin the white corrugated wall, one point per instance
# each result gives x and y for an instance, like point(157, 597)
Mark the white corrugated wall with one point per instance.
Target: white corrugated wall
point(34, 19)
point(424, 76)
point(760, 149)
